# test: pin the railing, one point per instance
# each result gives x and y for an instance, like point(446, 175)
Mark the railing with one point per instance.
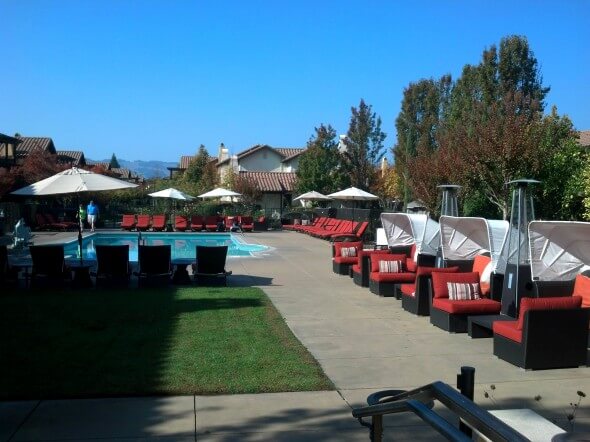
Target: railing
point(420, 401)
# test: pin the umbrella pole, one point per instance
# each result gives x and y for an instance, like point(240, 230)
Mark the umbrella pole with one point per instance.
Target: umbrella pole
point(79, 231)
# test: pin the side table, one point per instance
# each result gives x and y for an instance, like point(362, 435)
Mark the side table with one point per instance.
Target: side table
point(81, 277)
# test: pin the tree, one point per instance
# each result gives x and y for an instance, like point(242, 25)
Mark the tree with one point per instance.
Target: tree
point(114, 164)
point(364, 146)
point(424, 107)
point(196, 170)
point(319, 165)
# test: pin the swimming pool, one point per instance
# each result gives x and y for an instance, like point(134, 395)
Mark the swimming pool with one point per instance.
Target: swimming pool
point(182, 244)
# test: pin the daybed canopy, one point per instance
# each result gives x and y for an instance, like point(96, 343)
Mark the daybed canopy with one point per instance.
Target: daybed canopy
point(404, 229)
point(559, 250)
point(462, 238)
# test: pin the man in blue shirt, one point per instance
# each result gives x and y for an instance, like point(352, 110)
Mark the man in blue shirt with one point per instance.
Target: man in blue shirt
point(92, 212)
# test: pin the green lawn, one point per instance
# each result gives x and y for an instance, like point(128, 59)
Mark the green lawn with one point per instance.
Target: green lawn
point(64, 343)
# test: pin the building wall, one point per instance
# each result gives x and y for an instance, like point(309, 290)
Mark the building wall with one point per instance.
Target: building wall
point(292, 165)
point(265, 160)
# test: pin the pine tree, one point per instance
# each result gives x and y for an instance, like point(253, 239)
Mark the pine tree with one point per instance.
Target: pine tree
point(114, 164)
point(364, 146)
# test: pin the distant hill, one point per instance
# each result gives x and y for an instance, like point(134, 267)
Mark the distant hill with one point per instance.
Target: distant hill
point(147, 169)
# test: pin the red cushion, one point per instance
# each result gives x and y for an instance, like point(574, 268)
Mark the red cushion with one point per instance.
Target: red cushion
point(411, 265)
point(508, 329)
point(428, 270)
point(479, 264)
point(556, 303)
point(375, 258)
point(338, 247)
point(474, 306)
point(408, 289)
point(440, 279)
point(393, 277)
point(356, 268)
point(582, 288)
point(347, 260)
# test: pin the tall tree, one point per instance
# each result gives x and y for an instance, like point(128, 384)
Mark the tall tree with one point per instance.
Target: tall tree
point(114, 164)
point(364, 146)
point(319, 165)
point(425, 105)
point(194, 172)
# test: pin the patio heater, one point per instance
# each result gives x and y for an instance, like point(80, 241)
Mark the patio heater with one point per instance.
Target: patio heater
point(517, 277)
point(449, 207)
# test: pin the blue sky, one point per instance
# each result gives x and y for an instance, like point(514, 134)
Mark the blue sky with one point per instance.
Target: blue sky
point(153, 80)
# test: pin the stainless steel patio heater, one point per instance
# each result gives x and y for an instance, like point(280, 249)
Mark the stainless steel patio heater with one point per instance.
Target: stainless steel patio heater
point(449, 207)
point(517, 277)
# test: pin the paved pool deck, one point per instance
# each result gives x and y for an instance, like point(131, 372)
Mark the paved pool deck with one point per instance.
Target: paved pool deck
point(364, 343)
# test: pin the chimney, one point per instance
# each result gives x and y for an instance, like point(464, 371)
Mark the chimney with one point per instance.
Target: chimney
point(223, 153)
point(342, 145)
point(384, 166)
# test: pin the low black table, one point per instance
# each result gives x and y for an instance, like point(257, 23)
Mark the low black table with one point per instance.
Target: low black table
point(481, 326)
point(180, 275)
point(81, 277)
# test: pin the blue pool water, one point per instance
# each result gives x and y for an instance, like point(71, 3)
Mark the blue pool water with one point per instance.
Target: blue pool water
point(183, 244)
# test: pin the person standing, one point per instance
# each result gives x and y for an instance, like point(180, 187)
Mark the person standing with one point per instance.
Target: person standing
point(92, 210)
point(81, 216)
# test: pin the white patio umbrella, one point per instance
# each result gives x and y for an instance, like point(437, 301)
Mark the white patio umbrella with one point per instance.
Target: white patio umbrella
point(353, 194)
point(311, 196)
point(74, 181)
point(172, 193)
point(219, 192)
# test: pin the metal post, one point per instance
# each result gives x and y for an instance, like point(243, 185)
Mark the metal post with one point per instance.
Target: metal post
point(377, 428)
point(466, 385)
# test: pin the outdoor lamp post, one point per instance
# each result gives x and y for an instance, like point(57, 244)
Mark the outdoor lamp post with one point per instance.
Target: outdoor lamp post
point(517, 277)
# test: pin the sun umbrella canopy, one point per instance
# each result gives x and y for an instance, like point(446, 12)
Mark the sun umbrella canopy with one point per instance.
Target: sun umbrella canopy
point(172, 194)
point(312, 196)
point(73, 180)
point(353, 194)
point(559, 250)
point(219, 193)
point(409, 228)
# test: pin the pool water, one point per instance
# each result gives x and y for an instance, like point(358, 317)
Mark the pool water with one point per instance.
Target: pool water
point(183, 244)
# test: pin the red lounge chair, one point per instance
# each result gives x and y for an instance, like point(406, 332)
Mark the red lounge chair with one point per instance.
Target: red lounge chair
point(342, 227)
point(357, 235)
point(451, 315)
point(180, 223)
point(416, 296)
point(361, 270)
point(318, 222)
point(143, 223)
point(43, 224)
point(128, 222)
point(247, 223)
point(345, 256)
point(196, 223)
point(384, 278)
point(158, 223)
point(211, 223)
point(70, 225)
point(549, 333)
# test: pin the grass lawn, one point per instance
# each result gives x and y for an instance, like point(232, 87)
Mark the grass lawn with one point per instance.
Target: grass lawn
point(64, 343)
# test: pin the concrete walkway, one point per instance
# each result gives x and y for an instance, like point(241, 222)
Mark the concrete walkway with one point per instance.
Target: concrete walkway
point(364, 343)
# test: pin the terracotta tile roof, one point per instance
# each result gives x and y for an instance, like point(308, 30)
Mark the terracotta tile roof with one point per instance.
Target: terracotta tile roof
point(122, 172)
point(75, 157)
point(289, 152)
point(8, 139)
point(185, 160)
point(29, 144)
point(105, 165)
point(272, 181)
point(584, 138)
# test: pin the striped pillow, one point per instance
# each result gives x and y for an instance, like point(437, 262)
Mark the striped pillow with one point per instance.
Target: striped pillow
point(348, 252)
point(463, 291)
point(391, 266)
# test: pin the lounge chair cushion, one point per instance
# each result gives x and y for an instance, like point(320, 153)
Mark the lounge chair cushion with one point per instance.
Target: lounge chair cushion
point(459, 291)
point(345, 260)
point(483, 265)
point(356, 268)
point(408, 290)
point(582, 289)
point(390, 266)
point(508, 329)
point(411, 265)
point(440, 279)
point(393, 277)
point(476, 307)
point(377, 258)
point(555, 303)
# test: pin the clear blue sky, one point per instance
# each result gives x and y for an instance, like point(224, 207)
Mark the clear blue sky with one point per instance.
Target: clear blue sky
point(155, 79)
